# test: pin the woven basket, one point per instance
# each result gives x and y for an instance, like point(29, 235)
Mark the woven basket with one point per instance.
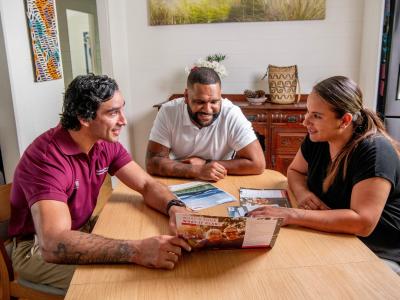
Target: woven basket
point(283, 84)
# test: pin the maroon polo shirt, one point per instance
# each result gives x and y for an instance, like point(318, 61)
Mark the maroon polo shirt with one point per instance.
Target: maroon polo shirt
point(54, 168)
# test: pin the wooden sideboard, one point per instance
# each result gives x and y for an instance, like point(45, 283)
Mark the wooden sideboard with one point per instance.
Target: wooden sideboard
point(278, 127)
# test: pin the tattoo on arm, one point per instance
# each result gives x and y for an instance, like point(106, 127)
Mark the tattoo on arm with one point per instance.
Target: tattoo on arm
point(159, 163)
point(85, 248)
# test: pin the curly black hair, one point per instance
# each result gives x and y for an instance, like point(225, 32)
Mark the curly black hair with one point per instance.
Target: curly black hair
point(83, 97)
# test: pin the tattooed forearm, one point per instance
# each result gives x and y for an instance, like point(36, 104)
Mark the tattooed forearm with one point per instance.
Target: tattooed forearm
point(159, 163)
point(152, 154)
point(181, 170)
point(83, 248)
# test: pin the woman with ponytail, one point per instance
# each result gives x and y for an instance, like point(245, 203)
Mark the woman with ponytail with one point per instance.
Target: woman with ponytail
point(346, 176)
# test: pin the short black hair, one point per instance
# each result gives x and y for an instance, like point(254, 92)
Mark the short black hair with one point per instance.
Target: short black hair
point(83, 97)
point(202, 75)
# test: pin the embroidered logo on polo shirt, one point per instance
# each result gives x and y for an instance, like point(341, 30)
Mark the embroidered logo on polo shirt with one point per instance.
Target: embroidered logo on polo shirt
point(102, 171)
point(76, 184)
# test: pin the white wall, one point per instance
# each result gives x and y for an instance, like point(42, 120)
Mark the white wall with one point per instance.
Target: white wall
point(370, 50)
point(8, 131)
point(35, 105)
point(158, 55)
point(115, 55)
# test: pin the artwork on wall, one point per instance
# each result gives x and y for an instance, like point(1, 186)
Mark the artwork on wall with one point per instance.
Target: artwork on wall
point(43, 32)
point(172, 12)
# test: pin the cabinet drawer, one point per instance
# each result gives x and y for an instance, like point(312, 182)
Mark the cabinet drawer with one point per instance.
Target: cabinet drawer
point(287, 140)
point(288, 117)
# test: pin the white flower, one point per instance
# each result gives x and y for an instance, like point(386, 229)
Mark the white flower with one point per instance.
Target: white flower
point(216, 66)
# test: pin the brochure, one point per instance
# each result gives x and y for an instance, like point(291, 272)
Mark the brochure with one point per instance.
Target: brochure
point(241, 211)
point(199, 195)
point(250, 196)
point(211, 232)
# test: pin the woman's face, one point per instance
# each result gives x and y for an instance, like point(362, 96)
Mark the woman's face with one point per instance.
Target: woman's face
point(320, 120)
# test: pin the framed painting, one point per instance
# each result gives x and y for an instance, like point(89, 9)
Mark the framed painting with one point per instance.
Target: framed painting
point(172, 12)
point(43, 32)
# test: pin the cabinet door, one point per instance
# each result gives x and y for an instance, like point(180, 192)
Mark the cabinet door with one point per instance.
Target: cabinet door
point(286, 142)
point(260, 129)
point(282, 162)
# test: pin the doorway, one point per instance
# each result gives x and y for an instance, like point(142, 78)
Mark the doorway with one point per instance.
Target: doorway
point(79, 38)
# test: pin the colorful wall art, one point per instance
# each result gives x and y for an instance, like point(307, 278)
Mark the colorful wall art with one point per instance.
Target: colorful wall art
point(43, 31)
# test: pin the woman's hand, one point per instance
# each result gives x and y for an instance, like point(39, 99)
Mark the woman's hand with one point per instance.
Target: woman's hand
point(273, 211)
point(309, 200)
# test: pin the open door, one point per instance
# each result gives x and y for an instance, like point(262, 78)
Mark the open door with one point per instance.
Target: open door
point(79, 38)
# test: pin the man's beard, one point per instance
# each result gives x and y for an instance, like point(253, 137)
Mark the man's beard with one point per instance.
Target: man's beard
point(194, 117)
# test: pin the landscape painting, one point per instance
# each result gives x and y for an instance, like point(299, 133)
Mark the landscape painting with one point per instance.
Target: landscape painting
point(173, 12)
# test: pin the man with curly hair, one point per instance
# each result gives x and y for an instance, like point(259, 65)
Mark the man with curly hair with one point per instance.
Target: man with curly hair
point(56, 185)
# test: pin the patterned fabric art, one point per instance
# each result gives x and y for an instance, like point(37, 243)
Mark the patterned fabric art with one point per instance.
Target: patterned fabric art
point(43, 29)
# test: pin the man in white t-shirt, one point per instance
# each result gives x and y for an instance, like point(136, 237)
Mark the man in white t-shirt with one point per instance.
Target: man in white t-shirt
point(203, 136)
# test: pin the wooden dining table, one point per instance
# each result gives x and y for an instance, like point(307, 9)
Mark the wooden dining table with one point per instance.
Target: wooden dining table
point(303, 264)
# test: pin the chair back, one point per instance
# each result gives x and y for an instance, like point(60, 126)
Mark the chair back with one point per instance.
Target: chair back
point(5, 210)
point(6, 270)
point(10, 287)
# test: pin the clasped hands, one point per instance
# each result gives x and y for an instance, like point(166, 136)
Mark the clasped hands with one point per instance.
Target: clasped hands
point(212, 171)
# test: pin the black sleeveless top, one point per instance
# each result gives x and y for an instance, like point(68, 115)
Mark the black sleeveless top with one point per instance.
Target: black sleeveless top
point(374, 157)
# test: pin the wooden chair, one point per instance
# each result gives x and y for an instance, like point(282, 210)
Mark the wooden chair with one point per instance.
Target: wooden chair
point(10, 285)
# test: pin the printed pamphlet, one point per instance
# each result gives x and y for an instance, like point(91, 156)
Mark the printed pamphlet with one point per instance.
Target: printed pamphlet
point(264, 197)
point(199, 195)
point(211, 232)
point(241, 211)
point(251, 199)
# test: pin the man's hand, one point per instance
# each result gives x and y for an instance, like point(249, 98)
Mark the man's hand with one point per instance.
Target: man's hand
point(309, 200)
point(194, 160)
point(212, 171)
point(172, 215)
point(160, 251)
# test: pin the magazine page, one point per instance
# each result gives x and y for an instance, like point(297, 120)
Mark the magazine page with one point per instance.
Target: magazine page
point(211, 232)
point(199, 195)
point(241, 211)
point(276, 197)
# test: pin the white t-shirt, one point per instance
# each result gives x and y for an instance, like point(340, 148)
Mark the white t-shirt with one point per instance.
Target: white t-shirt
point(173, 128)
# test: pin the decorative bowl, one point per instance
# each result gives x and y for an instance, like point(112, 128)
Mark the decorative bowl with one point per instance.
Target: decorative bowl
point(256, 101)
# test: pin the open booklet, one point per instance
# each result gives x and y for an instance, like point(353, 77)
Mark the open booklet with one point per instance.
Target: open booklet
point(199, 195)
point(205, 232)
point(251, 199)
